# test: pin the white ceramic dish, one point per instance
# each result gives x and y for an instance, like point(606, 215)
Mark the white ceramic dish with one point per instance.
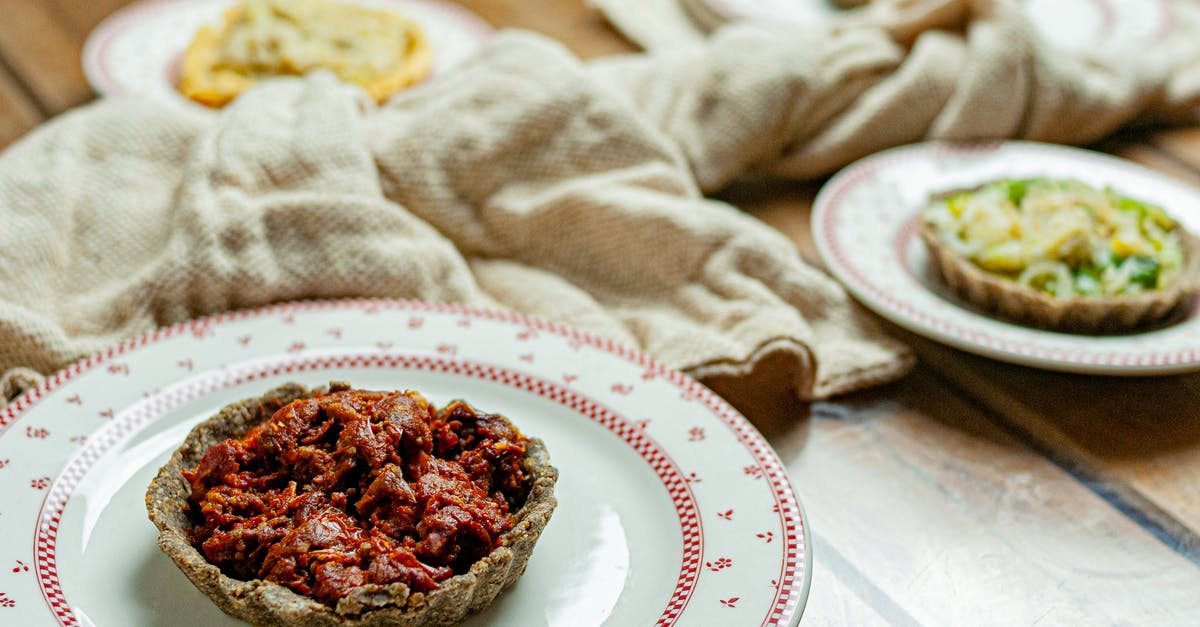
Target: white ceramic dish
point(137, 50)
point(672, 508)
point(864, 225)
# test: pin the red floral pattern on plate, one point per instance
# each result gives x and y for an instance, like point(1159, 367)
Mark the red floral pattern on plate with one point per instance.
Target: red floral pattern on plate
point(787, 596)
point(662, 465)
point(719, 564)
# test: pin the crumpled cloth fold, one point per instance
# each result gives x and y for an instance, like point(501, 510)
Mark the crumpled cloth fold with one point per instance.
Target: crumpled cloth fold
point(514, 181)
point(802, 101)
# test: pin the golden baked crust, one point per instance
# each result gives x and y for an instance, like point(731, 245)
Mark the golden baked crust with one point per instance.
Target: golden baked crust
point(1075, 314)
point(378, 50)
point(264, 603)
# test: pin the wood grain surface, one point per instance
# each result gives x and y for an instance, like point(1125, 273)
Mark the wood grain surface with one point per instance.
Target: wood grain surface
point(971, 492)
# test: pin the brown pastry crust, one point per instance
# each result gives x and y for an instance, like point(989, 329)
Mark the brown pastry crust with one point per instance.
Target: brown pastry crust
point(1076, 314)
point(264, 603)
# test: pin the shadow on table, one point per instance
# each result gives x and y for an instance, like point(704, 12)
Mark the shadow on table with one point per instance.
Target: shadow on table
point(772, 407)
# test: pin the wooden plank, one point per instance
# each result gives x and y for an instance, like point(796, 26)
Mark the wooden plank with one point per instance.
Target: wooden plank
point(836, 595)
point(81, 17)
point(1182, 144)
point(1138, 439)
point(950, 520)
point(1157, 158)
point(43, 54)
point(18, 113)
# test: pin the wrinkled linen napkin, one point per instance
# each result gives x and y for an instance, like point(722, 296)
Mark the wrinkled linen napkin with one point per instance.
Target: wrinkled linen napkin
point(514, 181)
point(800, 102)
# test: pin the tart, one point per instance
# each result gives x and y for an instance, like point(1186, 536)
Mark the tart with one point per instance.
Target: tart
point(1061, 254)
point(258, 39)
point(349, 507)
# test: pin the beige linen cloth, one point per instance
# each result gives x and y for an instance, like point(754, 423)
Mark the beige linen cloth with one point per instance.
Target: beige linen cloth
point(514, 181)
point(797, 101)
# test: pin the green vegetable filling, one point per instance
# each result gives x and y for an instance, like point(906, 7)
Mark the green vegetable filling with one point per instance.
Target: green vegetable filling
point(1144, 271)
point(1063, 237)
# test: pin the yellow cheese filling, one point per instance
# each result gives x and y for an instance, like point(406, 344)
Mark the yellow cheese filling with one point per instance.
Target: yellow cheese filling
point(379, 50)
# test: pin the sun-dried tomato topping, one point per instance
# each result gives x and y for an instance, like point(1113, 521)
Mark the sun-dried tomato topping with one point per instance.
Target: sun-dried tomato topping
point(354, 487)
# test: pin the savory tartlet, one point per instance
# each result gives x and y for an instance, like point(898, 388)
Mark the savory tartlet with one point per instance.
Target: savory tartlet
point(379, 50)
point(1061, 254)
point(348, 507)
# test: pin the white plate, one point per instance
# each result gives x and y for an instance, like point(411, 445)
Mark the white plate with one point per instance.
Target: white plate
point(138, 49)
point(864, 225)
point(672, 508)
point(1073, 25)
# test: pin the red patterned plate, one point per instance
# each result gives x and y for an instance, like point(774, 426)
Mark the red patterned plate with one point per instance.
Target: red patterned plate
point(672, 509)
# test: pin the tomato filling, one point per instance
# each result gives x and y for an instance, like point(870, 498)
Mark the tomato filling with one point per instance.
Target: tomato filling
point(354, 487)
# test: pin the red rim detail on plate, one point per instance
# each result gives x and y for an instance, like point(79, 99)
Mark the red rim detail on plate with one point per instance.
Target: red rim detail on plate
point(670, 475)
point(843, 184)
point(789, 585)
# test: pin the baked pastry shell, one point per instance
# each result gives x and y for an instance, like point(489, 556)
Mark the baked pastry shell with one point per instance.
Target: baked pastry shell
point(265, 603)
point(1074, 314)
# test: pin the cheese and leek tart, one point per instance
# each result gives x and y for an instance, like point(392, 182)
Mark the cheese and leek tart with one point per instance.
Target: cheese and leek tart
point(1061, 254)
point(379, 50)
point(352, 508)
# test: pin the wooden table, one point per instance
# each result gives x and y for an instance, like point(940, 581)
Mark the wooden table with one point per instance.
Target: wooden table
point(971, 492)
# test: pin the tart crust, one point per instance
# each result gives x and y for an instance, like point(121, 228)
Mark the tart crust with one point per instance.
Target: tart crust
point(264, 603)
point(1075, 314)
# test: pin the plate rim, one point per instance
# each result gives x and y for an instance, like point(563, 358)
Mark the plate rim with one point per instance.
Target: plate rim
point(742, 430)
point(1089, 360)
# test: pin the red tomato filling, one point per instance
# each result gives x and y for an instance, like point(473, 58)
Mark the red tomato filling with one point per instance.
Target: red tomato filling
point(353, 487)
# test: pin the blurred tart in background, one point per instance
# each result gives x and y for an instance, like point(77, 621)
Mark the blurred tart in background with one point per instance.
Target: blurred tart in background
point(379, 50)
